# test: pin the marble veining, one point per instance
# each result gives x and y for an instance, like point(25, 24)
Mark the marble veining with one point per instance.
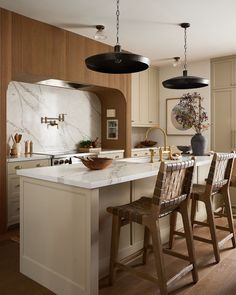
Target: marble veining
point(27, 103)
point(120, 171)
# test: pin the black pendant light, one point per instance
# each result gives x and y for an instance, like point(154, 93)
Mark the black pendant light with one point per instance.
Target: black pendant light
point(117, 62)
point(185, 81)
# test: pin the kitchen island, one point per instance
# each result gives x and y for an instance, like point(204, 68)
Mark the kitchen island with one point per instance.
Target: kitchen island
point(65, 230)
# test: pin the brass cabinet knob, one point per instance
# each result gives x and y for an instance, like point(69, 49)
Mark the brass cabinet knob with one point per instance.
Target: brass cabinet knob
point(18, 167)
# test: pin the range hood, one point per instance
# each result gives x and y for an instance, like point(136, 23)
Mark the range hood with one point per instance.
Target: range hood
point(62, 84)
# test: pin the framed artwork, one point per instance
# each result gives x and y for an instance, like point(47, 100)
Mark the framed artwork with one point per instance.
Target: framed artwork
point(112, 129)
point(172, 126)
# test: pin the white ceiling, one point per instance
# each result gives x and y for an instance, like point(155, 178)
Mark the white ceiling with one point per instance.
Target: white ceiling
point(147, 27)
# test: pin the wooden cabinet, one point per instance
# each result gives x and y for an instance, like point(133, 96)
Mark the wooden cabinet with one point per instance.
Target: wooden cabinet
point(223, 106)
point(39, 50)
point(223, 73)
point(13, 187)
point(145, 98)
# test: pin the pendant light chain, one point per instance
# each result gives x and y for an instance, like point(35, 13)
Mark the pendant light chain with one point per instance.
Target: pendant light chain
point(117, 22)
point(185, 49)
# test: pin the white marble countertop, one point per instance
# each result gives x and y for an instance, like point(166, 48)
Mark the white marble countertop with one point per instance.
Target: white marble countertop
point(24, 157)
point(120, 171)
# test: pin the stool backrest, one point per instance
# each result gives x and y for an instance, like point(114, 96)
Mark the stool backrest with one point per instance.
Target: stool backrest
point(220, 171)
point(174, 182)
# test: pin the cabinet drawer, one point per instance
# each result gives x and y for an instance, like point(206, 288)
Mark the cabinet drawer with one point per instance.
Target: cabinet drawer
point(142, 153)
point(118, 155)
point(13, 211)
point(12, 167)
point(13, 185)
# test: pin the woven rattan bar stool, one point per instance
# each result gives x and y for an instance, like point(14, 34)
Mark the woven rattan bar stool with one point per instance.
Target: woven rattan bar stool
point(171, 193)
point(218, 182)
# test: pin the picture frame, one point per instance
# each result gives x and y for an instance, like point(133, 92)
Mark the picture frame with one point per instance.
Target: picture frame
point(172, 126)
point(112, 129)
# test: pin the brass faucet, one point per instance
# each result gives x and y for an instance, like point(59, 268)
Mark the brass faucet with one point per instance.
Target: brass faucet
point(162, 130)
point(152, 153)
point(166, 150)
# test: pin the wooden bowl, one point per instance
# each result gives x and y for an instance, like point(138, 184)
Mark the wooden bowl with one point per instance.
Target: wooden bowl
point(95, 163)
point(148, 143)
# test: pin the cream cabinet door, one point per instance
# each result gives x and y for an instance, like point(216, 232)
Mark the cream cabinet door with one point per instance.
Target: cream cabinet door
point(223, 73)
point(135, 99)
point(153, 99)
point(145, 98)
point(223, 120)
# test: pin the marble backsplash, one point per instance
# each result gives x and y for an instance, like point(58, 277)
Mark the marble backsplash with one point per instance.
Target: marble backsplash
point(27, 103)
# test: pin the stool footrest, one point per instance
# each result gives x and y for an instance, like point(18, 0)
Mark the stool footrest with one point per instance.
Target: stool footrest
point(137, 272)
point(200, 223)
point(176, 254)
point(179, 275)
point(223, 228)
point(223, 241)
point(200, 239)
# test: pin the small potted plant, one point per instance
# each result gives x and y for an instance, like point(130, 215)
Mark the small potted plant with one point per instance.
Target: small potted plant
point(191, 114)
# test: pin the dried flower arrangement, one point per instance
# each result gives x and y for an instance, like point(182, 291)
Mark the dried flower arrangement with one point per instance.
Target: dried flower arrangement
point(191, 113)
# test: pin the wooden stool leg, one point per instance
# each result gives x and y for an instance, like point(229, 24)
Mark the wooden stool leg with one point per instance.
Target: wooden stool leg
point(145, 244)
point(158, 255)
point(228, 211)
point(210, 219)
point(173, 221)
point(193, 210)
point(115, 237)
point(189, 240)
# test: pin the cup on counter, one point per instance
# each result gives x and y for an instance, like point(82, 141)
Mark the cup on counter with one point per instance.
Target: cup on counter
point(18, 148)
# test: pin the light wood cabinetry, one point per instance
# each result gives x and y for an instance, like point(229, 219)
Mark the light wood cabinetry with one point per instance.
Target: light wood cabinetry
point(223, 105)
point(13, 186)
point(145, 98)
point(39, 50)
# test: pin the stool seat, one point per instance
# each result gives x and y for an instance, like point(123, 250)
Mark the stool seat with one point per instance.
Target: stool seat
point(136, 210)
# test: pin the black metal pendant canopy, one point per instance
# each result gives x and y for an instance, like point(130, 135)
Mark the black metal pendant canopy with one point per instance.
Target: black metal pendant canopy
point(185, 81)
point(117, 62)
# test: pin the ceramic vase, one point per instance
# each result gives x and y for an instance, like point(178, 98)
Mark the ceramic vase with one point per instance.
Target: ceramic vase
point(198, 143)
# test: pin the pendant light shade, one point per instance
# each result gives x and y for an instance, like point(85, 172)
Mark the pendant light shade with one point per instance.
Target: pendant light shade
point(117, 62)
point(185, 81)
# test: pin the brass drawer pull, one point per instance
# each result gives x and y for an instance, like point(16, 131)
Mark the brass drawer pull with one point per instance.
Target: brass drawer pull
point(135, 155)
point(117, 157)
point(17, 185)
point(18, 167)
point(39, 165)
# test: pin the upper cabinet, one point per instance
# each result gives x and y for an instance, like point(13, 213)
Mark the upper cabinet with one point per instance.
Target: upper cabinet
point(223, 72)
point(145, 98)
point(38, 50)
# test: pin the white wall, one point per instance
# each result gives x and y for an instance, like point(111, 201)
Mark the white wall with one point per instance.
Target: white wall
point(200, 69)
point(27, 103)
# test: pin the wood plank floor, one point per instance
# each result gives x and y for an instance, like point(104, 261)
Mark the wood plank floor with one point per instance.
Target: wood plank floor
point(215, 279)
